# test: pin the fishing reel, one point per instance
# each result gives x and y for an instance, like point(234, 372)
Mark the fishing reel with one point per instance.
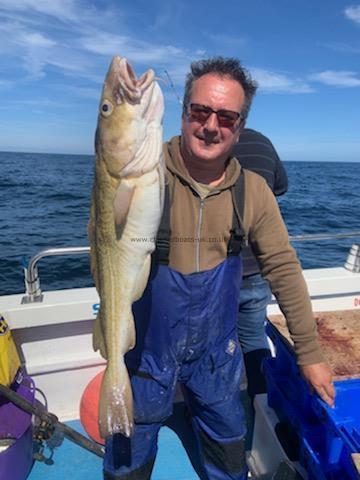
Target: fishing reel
point(46, 435)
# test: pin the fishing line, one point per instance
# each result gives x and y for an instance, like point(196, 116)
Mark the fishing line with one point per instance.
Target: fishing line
point(172, 86)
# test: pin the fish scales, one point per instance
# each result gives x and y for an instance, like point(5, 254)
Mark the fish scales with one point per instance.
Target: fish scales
point(127, 202)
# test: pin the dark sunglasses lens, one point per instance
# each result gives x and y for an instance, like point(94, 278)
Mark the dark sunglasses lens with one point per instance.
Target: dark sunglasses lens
point(227, 118)
point(199, 113)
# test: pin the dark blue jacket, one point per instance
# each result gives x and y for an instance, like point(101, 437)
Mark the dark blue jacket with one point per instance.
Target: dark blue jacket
point(255, 152)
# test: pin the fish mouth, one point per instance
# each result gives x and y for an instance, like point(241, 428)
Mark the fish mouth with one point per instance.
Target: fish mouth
point(126, 86)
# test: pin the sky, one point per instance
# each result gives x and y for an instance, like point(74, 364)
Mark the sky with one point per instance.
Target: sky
point(304, 54)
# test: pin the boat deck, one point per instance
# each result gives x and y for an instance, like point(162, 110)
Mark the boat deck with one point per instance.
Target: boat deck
point(75, 463)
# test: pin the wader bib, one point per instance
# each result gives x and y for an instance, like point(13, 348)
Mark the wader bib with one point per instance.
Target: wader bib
point(186, 333)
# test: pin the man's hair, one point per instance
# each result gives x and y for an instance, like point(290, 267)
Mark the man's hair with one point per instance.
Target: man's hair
point(222, 67)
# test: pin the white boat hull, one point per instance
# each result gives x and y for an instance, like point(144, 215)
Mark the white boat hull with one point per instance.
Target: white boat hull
point(54, 336)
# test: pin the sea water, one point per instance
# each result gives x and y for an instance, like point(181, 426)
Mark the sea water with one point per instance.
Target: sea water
point(45, 201)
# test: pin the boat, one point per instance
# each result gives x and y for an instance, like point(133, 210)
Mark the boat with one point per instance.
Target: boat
point(52, 331)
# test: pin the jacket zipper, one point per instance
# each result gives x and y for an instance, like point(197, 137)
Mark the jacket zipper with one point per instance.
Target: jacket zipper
point(197, 255)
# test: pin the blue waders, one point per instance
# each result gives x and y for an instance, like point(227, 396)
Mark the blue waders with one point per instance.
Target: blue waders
point(186, 332)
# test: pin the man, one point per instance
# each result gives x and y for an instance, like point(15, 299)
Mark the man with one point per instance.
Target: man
point(255, 152)
point(186, 319)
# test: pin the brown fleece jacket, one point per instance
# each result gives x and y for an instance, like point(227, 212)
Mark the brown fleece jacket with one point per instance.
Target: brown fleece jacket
point(200, 230)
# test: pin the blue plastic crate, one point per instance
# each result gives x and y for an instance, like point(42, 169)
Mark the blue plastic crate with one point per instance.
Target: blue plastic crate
point(286, 385)
point(344, 419)
point(322, 463)
point(327, 436)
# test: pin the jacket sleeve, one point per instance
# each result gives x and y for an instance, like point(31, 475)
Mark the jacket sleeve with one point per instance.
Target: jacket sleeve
point(278, 262)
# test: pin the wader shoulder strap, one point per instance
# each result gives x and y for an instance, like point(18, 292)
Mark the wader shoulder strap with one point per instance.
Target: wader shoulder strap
point(237, 233)
point(162, 248)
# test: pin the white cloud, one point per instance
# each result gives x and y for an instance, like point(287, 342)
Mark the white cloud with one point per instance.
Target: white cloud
point(75, 48)
point(340, 78)
point(79, 47)
point(279, 83)
point(35, 49)
point(136, 50)
point(353, 13)
point(34, 40)
point(61, 9)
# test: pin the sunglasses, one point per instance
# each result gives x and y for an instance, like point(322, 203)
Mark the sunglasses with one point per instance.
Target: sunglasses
point(201, 113)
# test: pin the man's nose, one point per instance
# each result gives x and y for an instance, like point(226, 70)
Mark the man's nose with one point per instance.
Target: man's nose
point(212, 124)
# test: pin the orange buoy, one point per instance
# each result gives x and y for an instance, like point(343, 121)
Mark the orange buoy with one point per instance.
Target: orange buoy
point(89, 408)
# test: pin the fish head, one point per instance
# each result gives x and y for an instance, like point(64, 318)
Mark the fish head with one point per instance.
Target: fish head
point(130, 110)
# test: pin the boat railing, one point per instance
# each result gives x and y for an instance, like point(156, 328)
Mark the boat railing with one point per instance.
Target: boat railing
point(31, 273)
point(32, 279)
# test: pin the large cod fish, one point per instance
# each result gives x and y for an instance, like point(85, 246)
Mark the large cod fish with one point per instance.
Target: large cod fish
point(126, 208)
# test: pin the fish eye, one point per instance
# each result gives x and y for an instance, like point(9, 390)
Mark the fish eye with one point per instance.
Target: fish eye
point(106, 108)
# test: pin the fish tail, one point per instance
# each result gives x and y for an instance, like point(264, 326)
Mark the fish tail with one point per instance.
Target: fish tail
point(116, 402)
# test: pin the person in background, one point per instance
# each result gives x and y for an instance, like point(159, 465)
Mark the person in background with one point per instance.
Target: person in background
point(187, 317)
point(255, 152)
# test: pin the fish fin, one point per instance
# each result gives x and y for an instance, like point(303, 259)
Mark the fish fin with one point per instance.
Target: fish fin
point(128, 341)
point(142, 278)
point(116, 402)
point(98, 337)
point(122, 201)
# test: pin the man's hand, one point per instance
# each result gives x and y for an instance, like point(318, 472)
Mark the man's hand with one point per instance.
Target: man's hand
point(318, 376)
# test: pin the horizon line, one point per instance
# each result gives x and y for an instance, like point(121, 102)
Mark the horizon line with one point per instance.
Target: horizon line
point(94, 154)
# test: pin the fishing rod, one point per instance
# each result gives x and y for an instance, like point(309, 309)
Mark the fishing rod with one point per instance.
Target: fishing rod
point(50, 422)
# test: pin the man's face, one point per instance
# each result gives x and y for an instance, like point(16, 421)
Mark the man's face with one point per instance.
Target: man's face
point(208, 141)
